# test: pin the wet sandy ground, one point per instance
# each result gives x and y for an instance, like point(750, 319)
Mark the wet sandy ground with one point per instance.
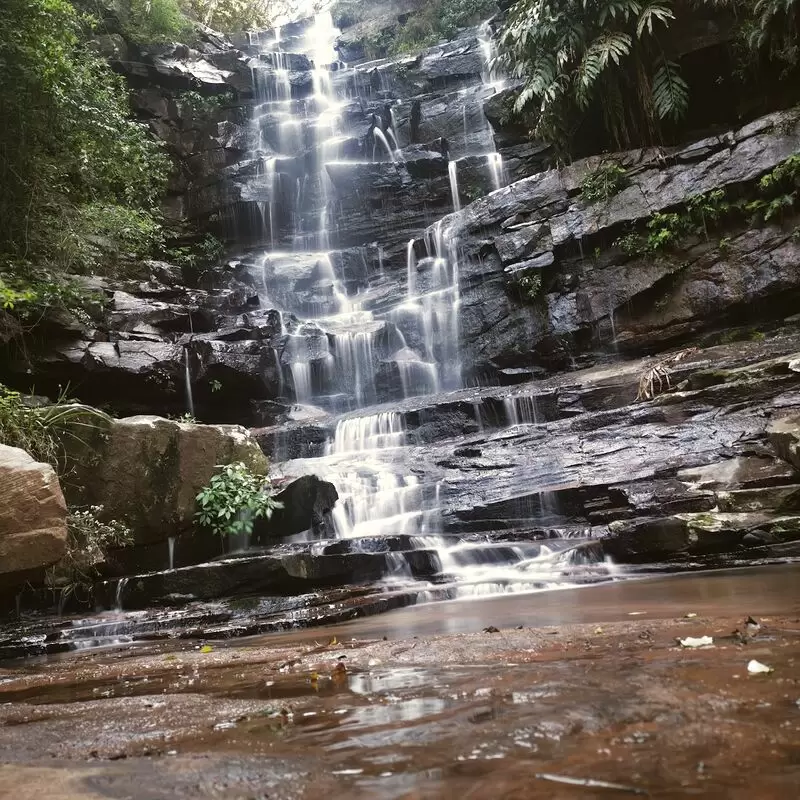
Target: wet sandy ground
point(510, 713)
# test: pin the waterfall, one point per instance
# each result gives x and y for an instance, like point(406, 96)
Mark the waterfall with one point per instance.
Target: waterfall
point(353, 338)
point(411, 268)
point(171, 551)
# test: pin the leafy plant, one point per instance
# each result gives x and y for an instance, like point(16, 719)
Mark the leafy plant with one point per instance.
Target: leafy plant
point(88, 541)
point(529, 284)
point(234, 499)
point(603, 183)
point(40, 430)
point(775, 30)
point(439, 19)
point(215, 385)
point(203, 105)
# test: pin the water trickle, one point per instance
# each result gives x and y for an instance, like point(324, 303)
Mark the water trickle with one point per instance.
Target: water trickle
point(187, 374)
point(495, 162)
point(171, 551)
point(452, 171)
point(520, 410)
point(380, 136)
point(121, 584)
point(374, 432)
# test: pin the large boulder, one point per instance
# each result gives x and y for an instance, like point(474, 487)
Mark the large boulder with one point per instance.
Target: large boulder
point(146, 471)
point(307, 504)
point(33, 517)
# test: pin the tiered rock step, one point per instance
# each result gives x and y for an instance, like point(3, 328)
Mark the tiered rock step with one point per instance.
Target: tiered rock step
point(744, 372)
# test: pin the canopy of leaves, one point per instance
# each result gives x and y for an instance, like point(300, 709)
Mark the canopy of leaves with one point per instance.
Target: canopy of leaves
point(74, 164)
point(241, 15)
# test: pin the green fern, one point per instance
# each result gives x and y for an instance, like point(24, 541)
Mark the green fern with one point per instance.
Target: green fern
point(670, 92)
point(653, 12)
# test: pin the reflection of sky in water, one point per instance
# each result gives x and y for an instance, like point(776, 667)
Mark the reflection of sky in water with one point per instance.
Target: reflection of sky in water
point(389, 680)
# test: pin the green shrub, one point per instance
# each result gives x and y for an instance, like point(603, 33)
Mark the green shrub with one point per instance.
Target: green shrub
point(234, 499)
point(88, 542)
point(440, 19)
point(529, 284)
point(154, 21)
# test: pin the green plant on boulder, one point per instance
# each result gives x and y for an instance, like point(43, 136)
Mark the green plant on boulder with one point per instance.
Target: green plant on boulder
point(234, 499)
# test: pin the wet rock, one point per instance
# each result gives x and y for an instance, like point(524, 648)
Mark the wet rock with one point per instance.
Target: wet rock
point(33, 517)
point(708, 533)
point(784, 435)
point(307, 506)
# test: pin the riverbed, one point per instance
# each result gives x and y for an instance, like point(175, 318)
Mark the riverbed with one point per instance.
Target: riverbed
point(571, 693)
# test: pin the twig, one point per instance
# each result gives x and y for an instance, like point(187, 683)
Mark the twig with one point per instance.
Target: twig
point(589, 783)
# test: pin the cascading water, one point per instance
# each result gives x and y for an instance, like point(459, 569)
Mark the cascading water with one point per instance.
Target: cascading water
point(342, 351)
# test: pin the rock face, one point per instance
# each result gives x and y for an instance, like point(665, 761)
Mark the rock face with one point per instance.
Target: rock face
point(33, 517)
point(146, 471)
point(591, 289)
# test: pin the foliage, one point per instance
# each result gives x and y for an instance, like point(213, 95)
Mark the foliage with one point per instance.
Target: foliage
point(88, 542)
point(206, 252)
point(240, 15)
point(604, 182)
point(774, 30)
point(202, 105)
point(153, 21)
point(529, 284)
point(612, 60)
point(29, 294)
point(80, 177)
point(234, 499)
point(573, 54)
point(439, 19)
point(40, 430)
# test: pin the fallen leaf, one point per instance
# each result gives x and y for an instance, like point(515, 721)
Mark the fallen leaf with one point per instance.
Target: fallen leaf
point(757, 668)
point(333, 642)
point(690, 615)
point(491, 629)
point(206, 648)
point(598, 630)
point(700, 641)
